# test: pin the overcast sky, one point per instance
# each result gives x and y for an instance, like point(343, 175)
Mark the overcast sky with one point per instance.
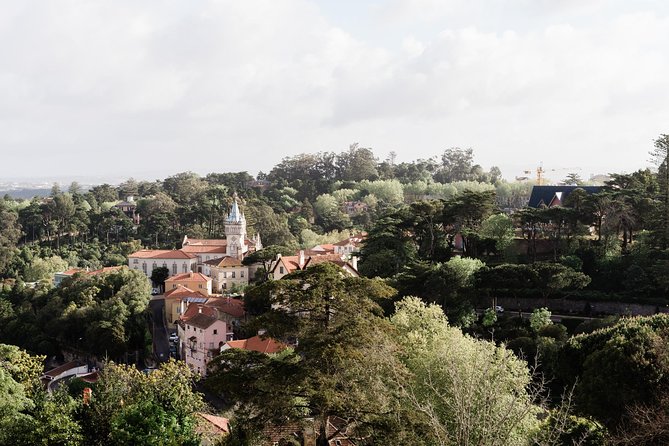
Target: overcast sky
point(150, 88)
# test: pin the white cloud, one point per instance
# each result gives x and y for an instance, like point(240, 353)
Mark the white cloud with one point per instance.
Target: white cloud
point(228, 85)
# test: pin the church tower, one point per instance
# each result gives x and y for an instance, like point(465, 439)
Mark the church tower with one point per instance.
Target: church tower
point(235, 232)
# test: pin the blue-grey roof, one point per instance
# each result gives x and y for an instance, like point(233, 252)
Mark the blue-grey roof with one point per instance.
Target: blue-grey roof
point(196, 300)
point(235, 214)
point(543, 195)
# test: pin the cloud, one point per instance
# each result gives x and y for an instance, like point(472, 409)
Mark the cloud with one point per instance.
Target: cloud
point(227, 85)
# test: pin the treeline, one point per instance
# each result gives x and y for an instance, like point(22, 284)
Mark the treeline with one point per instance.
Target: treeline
point(304, 200)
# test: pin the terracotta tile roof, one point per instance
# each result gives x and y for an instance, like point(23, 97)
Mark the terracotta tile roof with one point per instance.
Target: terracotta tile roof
point(326, 248)
point(72, 271)
point(92, 377)
point(204, 249)
point(227, 305)
point(333, 258)
point(351, 240)
point(228, 261)
point(194, 309)
point(181, 291)
point(162, 254)
point(201, 320)
point(219, 423)
point(63, 368)
point(205, 241)
point(258, 344)
point(291, 263)
point(106, 269)
point(213, 262)
point(191, 277)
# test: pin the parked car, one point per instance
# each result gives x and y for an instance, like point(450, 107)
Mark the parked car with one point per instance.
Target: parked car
point(174, 337)
point(499, 309)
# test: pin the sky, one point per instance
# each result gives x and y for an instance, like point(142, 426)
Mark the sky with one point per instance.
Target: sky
point(120, 88)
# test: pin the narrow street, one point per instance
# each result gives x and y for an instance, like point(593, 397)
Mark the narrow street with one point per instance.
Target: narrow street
point(161, 345)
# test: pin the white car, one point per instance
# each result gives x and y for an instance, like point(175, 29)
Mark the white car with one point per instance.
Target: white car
point(174, 337)
point(499, 309)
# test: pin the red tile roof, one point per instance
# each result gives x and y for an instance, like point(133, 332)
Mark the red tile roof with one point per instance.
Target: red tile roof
point(201, 320)
point(196, 309)
point(227, 305)
point(332, 258)
point(291, 263)
point(204, 249)
point(227, 261)
point(63, 368)
point(181, 291)
point(106, 269)
point(205, 241)
point(162, 254)
point(72, 271)
point(219, 423)
point(258, 344)
point(190, 277)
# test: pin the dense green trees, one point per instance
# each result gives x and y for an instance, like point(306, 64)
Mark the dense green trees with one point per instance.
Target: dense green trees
point(339, 368)
point(104, 315)
point(482, 396)
point(127, 406)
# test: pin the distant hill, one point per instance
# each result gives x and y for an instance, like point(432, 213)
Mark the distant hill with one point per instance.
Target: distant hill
point(26, 193)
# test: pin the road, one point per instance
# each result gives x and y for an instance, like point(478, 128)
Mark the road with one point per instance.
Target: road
point(161, 345)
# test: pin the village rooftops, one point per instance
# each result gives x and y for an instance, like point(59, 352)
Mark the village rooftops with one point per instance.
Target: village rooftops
point(53, 373)
point(219, 423)
point(227, 305)
point(204, 241)
point(190, 277)
point(205, 249)
point(223, 262)
point(201, 320)
point(162, 254)
point(181, 292)
point(257, 344)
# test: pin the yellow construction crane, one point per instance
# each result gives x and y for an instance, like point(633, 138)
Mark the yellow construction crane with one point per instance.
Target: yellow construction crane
point(540, 172)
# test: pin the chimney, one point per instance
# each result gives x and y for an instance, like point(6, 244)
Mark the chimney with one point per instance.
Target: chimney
point(301, 261)
point(190, 274)
point(354, 262)
point(199, 308)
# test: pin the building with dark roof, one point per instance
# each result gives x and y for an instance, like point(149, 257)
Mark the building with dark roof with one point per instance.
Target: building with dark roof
point(550, 196)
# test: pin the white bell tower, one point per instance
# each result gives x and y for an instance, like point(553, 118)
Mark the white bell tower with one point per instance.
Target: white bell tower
point(235, 232)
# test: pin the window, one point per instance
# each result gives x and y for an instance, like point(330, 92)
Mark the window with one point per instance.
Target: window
point(215, 331)
point(164, 264)
point(211, 346)
point(154, 266)
point(233, 274)
point(185, 268)
point(135, 261)
point(225, 275)
point(144, 267)
point(241, 274)
point(174, 269)
point(281, 270)
point(199, 286)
